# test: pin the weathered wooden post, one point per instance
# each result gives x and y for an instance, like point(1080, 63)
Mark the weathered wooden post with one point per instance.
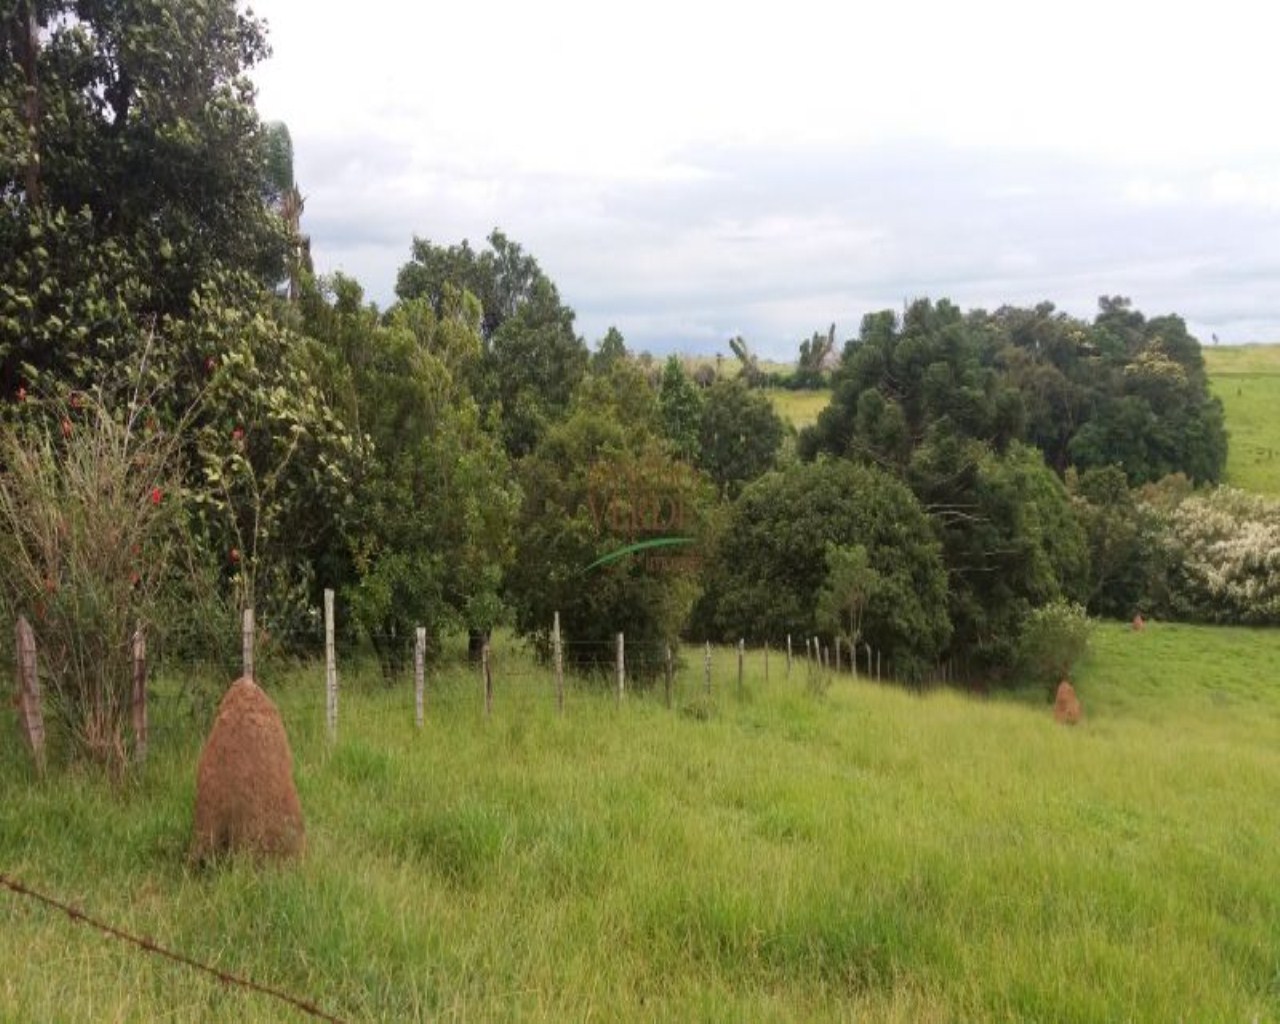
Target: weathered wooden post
point(246, 644)
point(419, 673)
point(669, 674)
point(557, 650)
point(138, 706)
point(621, 667)
point(706, 668)
point(330, 669)
point(30, 707)
point(487, 678)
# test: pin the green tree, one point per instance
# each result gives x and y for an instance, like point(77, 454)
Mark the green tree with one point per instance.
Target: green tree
point(739, 437)
point(139, 181)
point(850, 585)
point(1010, 540)
point(898, 384)
point(811, 366)
point(532, 360)
point(749, 365)
point(430, 534)
point(1123, 542)
point(681, 405)
point(598, 483)
point(770, 567)
point(612, 347)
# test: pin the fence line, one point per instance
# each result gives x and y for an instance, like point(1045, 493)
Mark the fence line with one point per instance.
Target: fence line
point(148, 945)
point(653, 664)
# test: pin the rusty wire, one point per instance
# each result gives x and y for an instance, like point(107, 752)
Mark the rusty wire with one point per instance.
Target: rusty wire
point(151, 946)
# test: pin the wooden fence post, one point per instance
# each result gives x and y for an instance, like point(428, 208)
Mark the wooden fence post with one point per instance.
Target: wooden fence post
point(788, 655)
point(419, 673)
point(706, 668)
point(558, 652)
point(30, 706)
point(487, 676)
point(330, 669)
point(246, 644)
point(139, 703)
point(669, 673)
point(867, 648)
point(621, 667)
point(741, 654)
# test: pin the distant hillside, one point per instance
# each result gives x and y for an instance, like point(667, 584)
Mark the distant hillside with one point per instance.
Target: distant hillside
point(799, 408)
point(1247, 379)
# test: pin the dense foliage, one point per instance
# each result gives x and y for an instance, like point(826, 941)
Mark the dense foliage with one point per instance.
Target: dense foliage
point(1123, 391)
point(783, 537)
point(599, 482)
point(462, 459)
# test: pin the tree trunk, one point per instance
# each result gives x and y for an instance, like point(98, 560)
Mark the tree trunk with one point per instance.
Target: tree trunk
point(476, 640)
point(27, 37)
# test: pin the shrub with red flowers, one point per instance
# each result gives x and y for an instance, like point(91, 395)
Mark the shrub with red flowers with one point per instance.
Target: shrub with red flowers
point(86, 538)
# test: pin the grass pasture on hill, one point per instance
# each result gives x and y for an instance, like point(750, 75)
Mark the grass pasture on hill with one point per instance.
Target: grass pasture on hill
point(773, 855)
point(799, 408)
point(1247, 379)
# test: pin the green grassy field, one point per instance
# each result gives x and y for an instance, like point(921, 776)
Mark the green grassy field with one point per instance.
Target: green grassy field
point(799, 408)
point(1247, 379)
point(771, 855)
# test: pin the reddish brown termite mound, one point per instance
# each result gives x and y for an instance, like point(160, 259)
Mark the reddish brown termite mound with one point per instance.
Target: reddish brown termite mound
point(1066, 706)
point(1139, 623)
point(245, 797)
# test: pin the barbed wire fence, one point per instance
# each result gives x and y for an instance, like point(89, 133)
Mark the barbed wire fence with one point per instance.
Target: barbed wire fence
point(180, 674)
point(149, 946)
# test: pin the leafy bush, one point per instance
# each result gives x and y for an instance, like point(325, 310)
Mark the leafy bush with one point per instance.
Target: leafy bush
point(795, 533)
point(89, 509)
point(1222, 549)
point(1054, 637)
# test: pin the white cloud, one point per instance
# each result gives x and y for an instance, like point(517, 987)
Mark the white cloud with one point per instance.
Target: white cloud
point(689, 170)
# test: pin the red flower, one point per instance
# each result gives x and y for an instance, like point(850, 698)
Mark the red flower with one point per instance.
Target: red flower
point(237, 435)
point(22, 394)
point(134, 579)
point(75, 399)
point(66, 427)
point(210, 365)
point(234, 555)
point(157, 495)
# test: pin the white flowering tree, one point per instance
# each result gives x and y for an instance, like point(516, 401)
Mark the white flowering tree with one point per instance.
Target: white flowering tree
point(1223, 550)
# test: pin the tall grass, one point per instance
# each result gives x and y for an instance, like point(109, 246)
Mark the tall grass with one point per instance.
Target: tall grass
point(766, 854)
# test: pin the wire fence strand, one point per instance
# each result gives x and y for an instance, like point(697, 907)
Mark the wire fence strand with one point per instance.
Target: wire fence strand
point(152, 947)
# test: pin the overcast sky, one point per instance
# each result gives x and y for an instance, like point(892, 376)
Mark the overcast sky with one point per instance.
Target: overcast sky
point(692, 170)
